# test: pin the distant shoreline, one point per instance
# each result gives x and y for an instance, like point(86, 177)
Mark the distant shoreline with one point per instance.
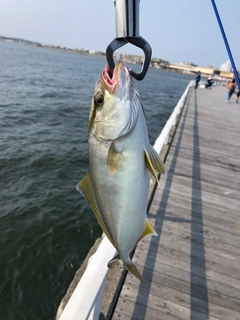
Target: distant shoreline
point(188, 69)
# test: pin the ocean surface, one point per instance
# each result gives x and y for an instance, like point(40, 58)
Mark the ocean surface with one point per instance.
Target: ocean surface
point(46, 227)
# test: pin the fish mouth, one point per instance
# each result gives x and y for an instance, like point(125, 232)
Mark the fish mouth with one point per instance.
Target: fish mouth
point(119, 77)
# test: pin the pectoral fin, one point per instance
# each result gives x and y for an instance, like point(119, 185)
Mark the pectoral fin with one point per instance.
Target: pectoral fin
point(113, 160)
point(154, 162)
point(85, 187)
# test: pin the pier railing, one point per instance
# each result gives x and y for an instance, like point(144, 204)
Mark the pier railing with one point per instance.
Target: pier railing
point(164, 136)
point(85, 302)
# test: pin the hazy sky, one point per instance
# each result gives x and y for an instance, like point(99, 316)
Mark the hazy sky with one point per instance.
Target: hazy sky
point(177, 30)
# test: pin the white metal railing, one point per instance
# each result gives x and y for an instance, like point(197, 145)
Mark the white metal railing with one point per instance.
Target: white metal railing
point(216, 83)
point(85, 302)
point(164, 136)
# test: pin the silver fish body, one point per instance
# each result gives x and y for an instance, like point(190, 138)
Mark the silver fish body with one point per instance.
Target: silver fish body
point(120, 162)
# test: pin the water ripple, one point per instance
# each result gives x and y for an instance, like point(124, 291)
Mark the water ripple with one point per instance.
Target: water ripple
point(46, 227)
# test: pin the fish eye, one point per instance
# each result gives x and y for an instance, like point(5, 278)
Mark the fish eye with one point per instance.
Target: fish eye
point(99, 100)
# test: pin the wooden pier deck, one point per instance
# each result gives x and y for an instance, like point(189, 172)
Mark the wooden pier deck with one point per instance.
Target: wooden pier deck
point(192, 269)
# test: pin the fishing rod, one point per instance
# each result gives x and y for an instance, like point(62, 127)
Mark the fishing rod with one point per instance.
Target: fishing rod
point(226, 43)
point(127, 31)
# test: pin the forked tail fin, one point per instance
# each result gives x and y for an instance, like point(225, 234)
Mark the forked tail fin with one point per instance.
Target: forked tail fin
point(116, 262)
point(133, 269)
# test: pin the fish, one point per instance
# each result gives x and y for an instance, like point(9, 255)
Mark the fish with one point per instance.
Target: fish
point(121, 162)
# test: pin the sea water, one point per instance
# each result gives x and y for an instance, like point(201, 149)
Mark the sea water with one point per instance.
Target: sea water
point(46, 227)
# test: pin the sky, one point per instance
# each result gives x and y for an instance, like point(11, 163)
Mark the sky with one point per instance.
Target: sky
point(177, 30)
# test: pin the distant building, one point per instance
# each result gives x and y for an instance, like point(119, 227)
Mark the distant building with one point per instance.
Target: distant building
point(227, 67)
point(118, 56)
point(188, 64)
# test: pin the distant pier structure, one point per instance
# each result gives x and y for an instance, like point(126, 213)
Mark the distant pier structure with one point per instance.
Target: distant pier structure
point(192, 268)
point(187, 68)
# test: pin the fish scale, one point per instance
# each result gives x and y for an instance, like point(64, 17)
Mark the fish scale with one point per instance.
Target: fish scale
point(121, 160)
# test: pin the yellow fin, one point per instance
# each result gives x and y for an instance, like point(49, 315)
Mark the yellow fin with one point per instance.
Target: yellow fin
point(113, 160)
point(154, 162)
point(148, 230)
point(85, 187)
point(116, 262)
point(133, 269)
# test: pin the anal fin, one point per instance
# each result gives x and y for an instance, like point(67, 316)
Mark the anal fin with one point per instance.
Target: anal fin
point(148, 230)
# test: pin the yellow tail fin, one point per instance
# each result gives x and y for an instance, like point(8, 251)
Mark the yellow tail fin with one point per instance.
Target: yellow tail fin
point(116, 262)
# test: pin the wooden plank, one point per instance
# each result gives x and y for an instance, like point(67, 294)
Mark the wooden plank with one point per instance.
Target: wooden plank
point(127, 305)
point(160, 279)
point(208, 247)
point(223, 171)
point(192, 269)
point(183, 249)
point(217, 219)
point(210, 186)
point(228, 206)
point(222, 278)
point(173, 306)
point(222, 225)
point(184, 299)
point(209, 233)
point(177, 249)
point(210, 197)
point(197, 238)
point(166, 252)
point(195, 280)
